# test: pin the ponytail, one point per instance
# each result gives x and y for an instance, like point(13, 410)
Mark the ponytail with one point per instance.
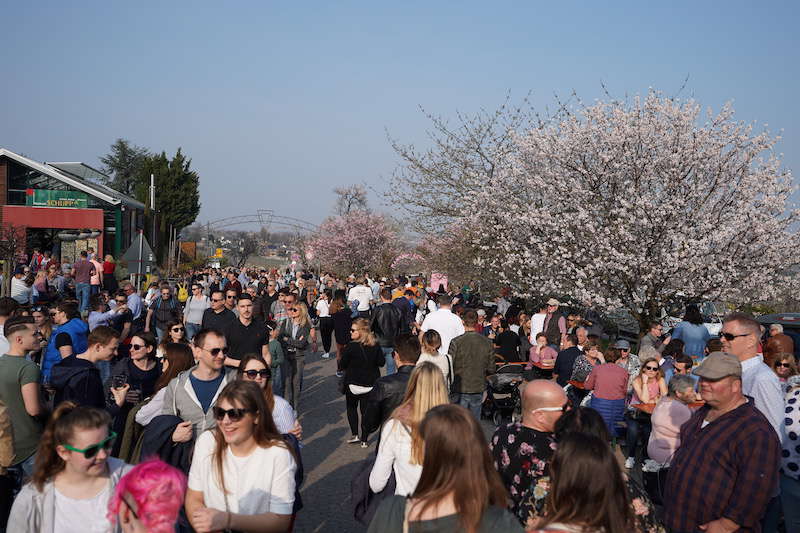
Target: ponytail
point(67, 417)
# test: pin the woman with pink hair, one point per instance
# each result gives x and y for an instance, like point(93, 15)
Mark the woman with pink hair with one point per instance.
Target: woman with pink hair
point(148, 498)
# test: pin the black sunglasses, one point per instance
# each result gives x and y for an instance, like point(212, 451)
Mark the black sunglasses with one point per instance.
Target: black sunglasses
point(253, 374)
point(216, 351)
point(137, 346)
point(176, 330)
point(784, 365)
point(234, 415)
point(731, 336)
point(232, 297)
point(651, 368)
point(292, 309)
point(216, 299)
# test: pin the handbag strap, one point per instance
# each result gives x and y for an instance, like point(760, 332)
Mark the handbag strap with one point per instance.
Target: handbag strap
point(406, 513)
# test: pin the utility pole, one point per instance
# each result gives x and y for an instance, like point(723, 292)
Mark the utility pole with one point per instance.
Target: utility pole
point(153, 206)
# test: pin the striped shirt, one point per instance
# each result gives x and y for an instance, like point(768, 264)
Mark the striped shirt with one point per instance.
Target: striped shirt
point(728, 468)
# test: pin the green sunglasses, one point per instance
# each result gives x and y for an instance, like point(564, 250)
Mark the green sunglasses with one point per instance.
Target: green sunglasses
point(94, 449)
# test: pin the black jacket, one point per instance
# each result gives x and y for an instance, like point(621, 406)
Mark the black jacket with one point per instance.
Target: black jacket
point(218, 321)
point(78, 380)
point(565, 361)
point(157, 441)
point(386, 322)
point(361, 364)
point(385, 396)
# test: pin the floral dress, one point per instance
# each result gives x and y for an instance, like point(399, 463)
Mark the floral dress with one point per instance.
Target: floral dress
point(521, 456)
point(531, 508)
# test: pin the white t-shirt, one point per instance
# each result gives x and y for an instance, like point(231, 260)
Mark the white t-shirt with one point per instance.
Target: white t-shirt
point(194, 309)
point(446, 324)
point(4, 344)
point(537, 325)
point(323, 309)
point(363, 294)
point(262, 482)
point(81, 516)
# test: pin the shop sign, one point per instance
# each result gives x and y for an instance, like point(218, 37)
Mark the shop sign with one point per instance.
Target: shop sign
point(50, 198)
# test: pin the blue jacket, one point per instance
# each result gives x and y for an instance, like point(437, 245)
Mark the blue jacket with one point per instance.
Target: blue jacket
point(78, 332)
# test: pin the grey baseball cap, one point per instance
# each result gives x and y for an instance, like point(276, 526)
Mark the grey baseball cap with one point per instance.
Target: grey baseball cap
point(719, 365)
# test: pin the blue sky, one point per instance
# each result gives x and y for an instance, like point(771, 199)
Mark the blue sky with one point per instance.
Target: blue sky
point(277, 103)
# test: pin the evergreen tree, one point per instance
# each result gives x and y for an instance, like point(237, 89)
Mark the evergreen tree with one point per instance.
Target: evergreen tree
point(123, 164)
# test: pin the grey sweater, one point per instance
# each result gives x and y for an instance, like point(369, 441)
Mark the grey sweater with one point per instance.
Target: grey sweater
point(180, 400)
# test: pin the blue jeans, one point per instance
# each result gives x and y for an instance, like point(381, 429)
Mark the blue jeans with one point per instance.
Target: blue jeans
point(387, 353)
point(192, 330)
point(471, 401)
point(105, 370)
point(82, 292)
point(160, 334)
point(790, 496)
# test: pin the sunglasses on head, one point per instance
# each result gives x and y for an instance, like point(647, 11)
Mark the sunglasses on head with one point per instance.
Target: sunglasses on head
point(264, 373)
point(234, 415)
point(731, 336)
point(216, 351)
point(94, 449)
point(179, 328)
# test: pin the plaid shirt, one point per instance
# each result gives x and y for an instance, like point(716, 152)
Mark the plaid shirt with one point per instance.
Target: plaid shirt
point(727, 469)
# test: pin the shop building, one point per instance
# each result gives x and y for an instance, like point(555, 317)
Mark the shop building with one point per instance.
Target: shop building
point(63, 207)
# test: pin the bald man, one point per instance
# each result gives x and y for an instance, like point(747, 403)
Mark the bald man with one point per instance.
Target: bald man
point(522, 451)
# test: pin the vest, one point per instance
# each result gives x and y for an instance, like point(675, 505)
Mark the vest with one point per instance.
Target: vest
point(78, 332)
point(552, 332)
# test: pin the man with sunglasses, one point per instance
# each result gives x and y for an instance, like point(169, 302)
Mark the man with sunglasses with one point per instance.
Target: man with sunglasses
point(192, 393)
point(246, 335)
point(522, 451)
point(217, 317)
point(163, 310)
point(740, 336)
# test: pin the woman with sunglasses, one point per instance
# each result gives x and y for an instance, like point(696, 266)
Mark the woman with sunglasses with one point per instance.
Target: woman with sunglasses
point(193, 310)
point(176, 332)
point(243, 473)
point(361, 362)
point(648, 387)
point(785, 366)
point(254, 368)
point(74, 476)
point(295, 335)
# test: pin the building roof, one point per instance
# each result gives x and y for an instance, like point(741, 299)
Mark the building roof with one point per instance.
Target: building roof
point(76, 175)
point(92, 177)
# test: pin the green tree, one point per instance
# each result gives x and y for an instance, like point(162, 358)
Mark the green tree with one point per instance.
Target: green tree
point(177, 192)
point(123, 164)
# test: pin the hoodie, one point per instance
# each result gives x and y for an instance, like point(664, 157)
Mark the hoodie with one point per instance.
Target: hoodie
point(78, 380)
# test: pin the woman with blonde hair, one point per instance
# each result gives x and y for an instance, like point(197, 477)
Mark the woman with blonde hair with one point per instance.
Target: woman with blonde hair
point(648, 387)
point(459, 488)
point(401, 444)
point(296, 338)
point(361, 362)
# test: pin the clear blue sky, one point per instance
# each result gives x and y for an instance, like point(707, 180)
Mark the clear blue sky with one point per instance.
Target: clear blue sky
point(277, 103)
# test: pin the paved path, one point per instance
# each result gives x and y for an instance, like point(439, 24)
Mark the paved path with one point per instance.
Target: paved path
point(328, 460)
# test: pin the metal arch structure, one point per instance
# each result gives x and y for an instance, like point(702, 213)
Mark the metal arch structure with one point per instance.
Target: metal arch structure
point(265, 218)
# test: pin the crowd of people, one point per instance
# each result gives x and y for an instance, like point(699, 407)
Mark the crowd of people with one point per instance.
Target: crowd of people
point(177, 407)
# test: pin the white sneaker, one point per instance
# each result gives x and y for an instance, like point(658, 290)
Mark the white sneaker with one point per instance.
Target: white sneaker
point(365, 444)
point(629, 462)
point(326, 355)
point(354, 439)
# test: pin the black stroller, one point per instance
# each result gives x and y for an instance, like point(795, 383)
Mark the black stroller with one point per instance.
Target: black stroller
point(503, 399)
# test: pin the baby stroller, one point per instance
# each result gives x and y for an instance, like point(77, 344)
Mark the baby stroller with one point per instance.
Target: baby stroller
point(503, 399)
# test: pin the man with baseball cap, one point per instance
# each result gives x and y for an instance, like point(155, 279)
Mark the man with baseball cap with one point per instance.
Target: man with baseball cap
point(555, 325)
point(722, 476)
point(628, 361)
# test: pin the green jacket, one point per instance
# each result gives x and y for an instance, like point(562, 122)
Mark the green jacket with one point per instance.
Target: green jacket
point(473, 359)
point(276, 351)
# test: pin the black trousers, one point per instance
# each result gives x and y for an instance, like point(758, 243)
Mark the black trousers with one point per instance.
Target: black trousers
point(356, 403)
point(326, 330)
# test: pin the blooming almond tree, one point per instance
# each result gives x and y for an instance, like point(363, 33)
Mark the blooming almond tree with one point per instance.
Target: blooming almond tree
point(638, 204)
point(356, 242)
